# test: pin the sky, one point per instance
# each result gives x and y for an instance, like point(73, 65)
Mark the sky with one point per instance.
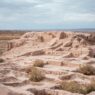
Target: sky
point(47, 14)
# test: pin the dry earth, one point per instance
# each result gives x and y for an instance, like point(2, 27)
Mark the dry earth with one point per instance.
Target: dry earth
point(6, 36)
point(63, 51)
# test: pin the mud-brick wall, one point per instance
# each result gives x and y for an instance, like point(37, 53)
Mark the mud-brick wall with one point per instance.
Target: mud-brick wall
point(3, 46)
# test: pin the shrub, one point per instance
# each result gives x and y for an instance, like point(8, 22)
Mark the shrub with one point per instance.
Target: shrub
point(87, 69)
point(1, 60)
point(38, 63)
point(36, 75)
point(75, 87)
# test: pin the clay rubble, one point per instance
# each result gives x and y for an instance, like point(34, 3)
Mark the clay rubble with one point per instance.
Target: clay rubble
point(63, 51)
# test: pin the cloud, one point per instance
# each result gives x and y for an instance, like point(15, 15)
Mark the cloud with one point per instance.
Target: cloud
point(73, 17)
point(47, 12)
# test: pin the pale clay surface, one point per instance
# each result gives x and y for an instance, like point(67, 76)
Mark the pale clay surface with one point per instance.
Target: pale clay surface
point(64, 52)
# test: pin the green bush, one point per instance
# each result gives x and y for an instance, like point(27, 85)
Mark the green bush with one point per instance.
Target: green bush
point(87, 69)
point(36, 75)
point(38, 63)
point(75, 87)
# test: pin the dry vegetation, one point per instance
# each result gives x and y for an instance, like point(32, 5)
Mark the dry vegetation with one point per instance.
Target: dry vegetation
point(75, 87)
point(87, 69)
point(36, 75)
point(38, 63)
point(9, 35)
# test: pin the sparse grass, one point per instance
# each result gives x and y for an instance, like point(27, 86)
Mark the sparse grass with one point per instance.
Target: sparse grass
point(1, 60)
point(75, 87)
point(87, 69)
point(36, 75)
point(38, 63)
point(9, 37)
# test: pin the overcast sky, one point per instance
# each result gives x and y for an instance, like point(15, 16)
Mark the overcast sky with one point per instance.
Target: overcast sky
point(47, 14)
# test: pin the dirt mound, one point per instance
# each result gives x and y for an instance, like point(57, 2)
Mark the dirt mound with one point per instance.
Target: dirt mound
point(53, 43)
point(62, 54)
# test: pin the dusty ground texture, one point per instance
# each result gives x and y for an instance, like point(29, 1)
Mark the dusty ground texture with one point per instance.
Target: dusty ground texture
point(63, 53)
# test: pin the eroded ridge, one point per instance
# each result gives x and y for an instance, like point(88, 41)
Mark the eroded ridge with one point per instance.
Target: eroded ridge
point(49, 63)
